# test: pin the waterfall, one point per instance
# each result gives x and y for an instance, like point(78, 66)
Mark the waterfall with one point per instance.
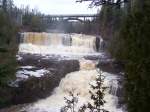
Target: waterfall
point(114, 87)
point(77, 82)
point(78, 40)
point(73, 45)
point(41, 38)
point(67, 40)
point(54, 43)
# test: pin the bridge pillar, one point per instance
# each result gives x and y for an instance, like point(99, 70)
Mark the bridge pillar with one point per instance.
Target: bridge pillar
point(84, 19)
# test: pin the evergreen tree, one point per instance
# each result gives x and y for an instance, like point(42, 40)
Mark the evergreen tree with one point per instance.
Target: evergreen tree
point(134, 50)
point(97, 96)
point(8, 49)
point(71, 103)
point(132, 47)
point(130, 44)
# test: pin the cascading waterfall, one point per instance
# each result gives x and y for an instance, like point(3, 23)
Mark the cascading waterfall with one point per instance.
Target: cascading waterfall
point(114, 87)
point(41, 38)
point(51, 43)
point(77, 82)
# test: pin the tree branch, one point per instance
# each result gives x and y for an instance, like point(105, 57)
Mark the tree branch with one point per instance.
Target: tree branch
point(103, 2)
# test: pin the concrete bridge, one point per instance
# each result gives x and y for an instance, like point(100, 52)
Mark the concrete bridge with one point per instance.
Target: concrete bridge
point(78, 17)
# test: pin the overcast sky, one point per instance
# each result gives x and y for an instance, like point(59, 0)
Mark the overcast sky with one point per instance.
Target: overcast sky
point(57, 6)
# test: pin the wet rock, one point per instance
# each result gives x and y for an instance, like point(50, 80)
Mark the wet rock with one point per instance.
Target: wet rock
point(35, 88)
point(16, 108)
point(121, 91)
point(110, 65)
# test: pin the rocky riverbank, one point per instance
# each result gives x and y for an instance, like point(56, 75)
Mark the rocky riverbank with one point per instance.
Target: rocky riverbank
point(28, 86)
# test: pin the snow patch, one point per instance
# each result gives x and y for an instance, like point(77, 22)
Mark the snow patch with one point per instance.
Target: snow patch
point(19, 57)
point(27, 67)
point(26, 73)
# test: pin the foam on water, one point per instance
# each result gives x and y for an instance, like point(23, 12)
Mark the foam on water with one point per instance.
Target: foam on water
point(73, 45)
point(78, 82)
point(63, 50)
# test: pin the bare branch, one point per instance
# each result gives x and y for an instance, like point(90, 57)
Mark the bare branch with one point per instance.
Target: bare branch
point(103, 2)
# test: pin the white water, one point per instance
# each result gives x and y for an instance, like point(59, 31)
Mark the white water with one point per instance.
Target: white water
point(77, 82)
point(58, 44)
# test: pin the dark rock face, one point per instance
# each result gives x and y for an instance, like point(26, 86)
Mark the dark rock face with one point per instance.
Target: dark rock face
point(121, 92)
point(97, 43)
point(107, 64)
point(35, 88)
point(110, 66)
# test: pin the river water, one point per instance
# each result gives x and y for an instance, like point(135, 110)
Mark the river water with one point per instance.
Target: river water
point(70, 46)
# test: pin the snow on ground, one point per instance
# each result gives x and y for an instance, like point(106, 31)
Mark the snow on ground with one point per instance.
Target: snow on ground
point(27, 73)
point(19, 57)
point(27, 67)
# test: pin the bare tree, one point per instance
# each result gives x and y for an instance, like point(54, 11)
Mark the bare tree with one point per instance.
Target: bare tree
point(104, 2)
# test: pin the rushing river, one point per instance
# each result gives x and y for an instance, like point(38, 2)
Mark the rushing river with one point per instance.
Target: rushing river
point(66, 46)
point(58, 44)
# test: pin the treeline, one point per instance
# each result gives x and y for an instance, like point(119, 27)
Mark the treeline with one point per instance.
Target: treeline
point(8, 49)
point(127, 28)
point(32, 20)
point(12, 21)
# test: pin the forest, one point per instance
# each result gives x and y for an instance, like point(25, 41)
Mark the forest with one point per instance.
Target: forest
point(127, 28)
point(123, 24)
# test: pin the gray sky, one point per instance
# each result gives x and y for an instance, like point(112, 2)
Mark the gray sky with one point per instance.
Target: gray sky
point(57, 6)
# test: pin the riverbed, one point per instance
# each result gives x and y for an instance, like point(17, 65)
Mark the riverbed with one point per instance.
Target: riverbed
point(60, 63)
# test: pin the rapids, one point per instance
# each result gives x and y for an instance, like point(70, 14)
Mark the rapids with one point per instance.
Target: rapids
point(78, 82)
point(74, 45)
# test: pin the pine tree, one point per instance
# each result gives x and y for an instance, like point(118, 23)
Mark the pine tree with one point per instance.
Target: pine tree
point(71, 103)
point(8, 49)
point(97, 95)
